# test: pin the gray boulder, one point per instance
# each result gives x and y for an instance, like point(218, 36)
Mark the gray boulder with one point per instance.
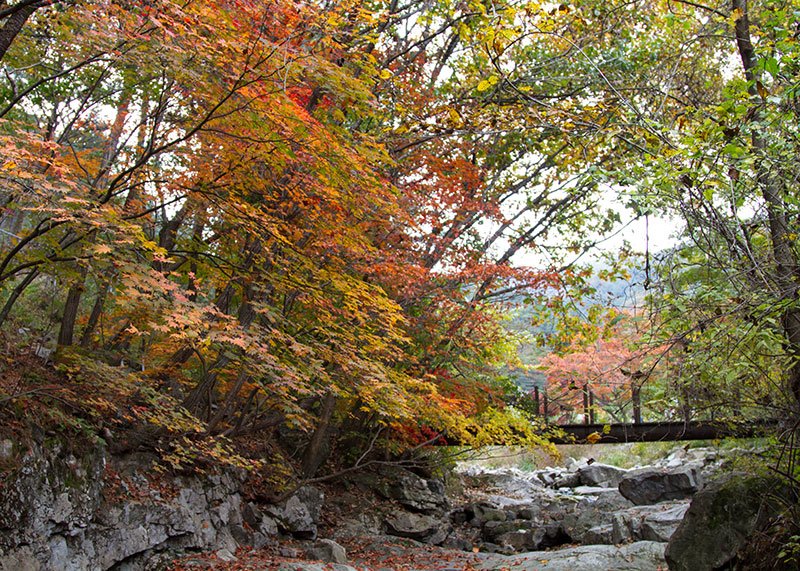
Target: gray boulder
point(327, 550)
point(412, 491)
point(721, 519)
point(660, 526)
point(600, 475)
point(420, 527)
point(640, 556)
point(302, 566)
point(650, 486)
point(298, 515)
point(591, 512)
point(479, 514)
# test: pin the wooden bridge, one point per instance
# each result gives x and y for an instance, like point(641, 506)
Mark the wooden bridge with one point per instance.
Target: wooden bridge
point(660, 431)
point(590, 432)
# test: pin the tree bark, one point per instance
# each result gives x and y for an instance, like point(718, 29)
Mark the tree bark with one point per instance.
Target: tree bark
point(318, 448)
point(67, 331)
point(18, 290)
point(773, 191)
point(14, 24)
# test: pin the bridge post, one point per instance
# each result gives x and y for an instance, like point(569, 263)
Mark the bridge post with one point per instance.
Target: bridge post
point(586, 403)
point(637, 403)
point(544, 408)
point(592, 411)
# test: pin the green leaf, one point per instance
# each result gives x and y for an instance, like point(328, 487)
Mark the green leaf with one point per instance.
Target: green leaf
point(771, 66)
point(734, 150)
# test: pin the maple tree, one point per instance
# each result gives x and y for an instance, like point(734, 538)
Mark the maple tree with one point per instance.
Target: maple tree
point(222, 198)
point(311, 217)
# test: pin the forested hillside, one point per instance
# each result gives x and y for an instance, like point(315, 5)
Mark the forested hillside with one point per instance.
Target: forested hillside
point(253, 232)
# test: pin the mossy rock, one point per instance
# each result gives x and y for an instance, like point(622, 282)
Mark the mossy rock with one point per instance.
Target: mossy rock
point(722, 518)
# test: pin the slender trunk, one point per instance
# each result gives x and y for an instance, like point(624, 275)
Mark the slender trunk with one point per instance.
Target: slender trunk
point(318, 448)
point(67, 331)
point(18, 290)
point(773, 191)
point(227, 408)
point(94, 317)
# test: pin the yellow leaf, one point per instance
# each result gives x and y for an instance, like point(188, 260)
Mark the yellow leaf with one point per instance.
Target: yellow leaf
point(593, 438)
point(385, 74)
point(484, 85)
point(454, 116)
point(735, 16)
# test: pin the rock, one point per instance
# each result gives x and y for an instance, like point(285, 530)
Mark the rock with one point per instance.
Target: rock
point(493, 530)
point(528, 512)
point(640, 556)
point(421, 527)
point(457, 543)
point(521, 540)
point(363, 524)
point(258, 521)
point(479, 514)
point(59, 511)
point(626, 526)
point(302, 566)
point(593, 511)
point(410, 490)
point(599, 535)
point(660, 526)
point(650, 486)
point(22, 559)
point(299, 514)
point(567, 480)
point(327, 550)
point(600, 475)
point(225, 555)
point(510, 482)
point(721, 519)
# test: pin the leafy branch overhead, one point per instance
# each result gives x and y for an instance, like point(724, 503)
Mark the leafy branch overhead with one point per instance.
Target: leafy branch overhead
point(312, 218)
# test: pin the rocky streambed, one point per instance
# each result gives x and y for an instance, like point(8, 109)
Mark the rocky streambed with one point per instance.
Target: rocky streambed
point(98, 512)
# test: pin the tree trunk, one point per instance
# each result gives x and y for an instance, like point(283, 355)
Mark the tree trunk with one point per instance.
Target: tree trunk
point(13, 25)
point(318, 449)
point(67, 331)
point(773, 191)
point(94, 317)
point(12, 299)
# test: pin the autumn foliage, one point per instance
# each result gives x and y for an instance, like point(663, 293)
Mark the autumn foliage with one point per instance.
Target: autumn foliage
point(295, 217)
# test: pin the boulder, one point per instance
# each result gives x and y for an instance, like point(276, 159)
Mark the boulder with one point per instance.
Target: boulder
point(600, 475)
point(302, 566)
point(640, 556)
point(298, 515)
point(721, 519)
point(493, 530)
point(521, 540)
point(650, 486)
point(420, 527)
point(412, 491)
point(328, 551)
point(593, 511)
point(479, 514)
point(567, 480)
point(660, 526)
